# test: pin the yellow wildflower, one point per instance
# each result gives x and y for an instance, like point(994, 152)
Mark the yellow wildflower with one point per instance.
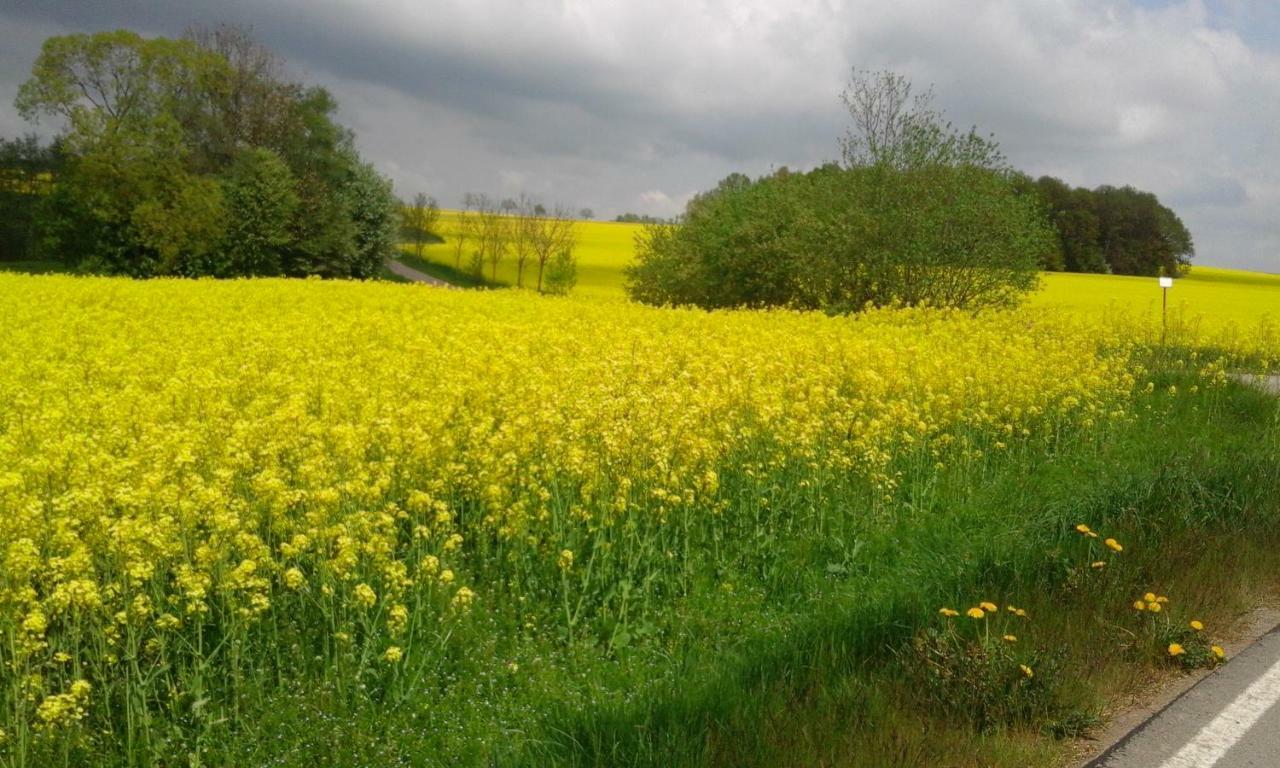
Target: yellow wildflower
point(1176, 650)
point(1113, 545)
point(975, 613)
point(1197, 625)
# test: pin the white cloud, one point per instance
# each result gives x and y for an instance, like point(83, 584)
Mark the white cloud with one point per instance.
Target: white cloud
point(604, 104)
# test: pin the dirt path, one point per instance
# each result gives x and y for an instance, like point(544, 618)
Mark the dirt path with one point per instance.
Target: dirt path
point(409, 273)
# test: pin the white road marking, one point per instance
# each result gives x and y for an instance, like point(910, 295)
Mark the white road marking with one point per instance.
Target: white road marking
point(1212, 742)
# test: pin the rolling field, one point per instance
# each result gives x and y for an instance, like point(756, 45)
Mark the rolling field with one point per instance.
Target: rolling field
point(1216, 300)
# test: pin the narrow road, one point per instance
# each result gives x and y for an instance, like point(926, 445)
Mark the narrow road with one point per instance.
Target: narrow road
point(409, 273)
point(1230, 719)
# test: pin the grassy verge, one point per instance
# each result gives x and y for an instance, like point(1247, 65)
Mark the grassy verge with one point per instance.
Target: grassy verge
point(455, 277)
point(814, 655)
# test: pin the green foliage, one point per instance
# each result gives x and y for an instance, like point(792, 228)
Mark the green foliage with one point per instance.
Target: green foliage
point(1119, 230)
point(192, 157)
point(562, 273)
point(262, 203)
point(374, 213)
point(26, 178)
point(841, 238)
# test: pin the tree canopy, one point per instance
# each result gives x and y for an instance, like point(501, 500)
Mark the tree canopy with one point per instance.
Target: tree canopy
point(919, 213)
point(196, 156)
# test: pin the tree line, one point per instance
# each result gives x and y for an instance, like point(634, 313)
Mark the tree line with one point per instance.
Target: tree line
point(1116, 230)
point(540, 242)
point(917, 212)
point(193, 156)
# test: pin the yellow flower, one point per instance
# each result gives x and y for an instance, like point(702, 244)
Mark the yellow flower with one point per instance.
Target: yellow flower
point(365, 595)
point(393, 654)
point(566, 560)
point(1021, 613)
point(1026, 670)
point(293, 578)
point(1217, 651)
point(1082, 528)
point(1176, 650)
point(975, 613)
point(1150, 597)
point(1113, 545)
point(989, 607)
point(1154, 607)
point(1098, 564)
point(1162, 599)
point(1139, 605)
point(1197, 625)
point(1011, 638)
point(948, 612)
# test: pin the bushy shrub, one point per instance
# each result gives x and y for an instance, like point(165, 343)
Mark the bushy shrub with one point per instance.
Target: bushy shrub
point(842, 238)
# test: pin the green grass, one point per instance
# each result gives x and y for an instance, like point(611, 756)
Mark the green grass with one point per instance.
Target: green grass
point(804, 657)
point(441, 271)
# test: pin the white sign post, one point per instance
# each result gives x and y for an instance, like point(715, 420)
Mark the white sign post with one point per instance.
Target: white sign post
point(1165, 284)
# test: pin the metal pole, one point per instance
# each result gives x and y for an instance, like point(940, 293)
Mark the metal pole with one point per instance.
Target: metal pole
point(1164, 314)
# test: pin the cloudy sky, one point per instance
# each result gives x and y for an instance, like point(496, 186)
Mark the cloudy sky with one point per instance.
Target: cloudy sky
point(634, 105)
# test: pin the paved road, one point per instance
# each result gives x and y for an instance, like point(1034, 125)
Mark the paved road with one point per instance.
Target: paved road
point(409, 273)
point(1230, 719)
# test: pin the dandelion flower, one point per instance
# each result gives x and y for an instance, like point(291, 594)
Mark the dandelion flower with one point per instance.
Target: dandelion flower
point(1162, 599)
point(975, 613)
point(1197, 625)
point(1176, 650)
point(1139, 605)
point(948, 612)
point(1150, 597)
point(1011, 638)
point(1113, 545)
point(989, 607)
point(1082, 528)
point(1026, 670)
point(1154, 607)
point(1098, 564)
point(1217, 651)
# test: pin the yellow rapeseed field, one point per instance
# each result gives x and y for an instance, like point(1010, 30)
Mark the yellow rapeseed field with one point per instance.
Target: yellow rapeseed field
point(1210, 300)
point(191, 471)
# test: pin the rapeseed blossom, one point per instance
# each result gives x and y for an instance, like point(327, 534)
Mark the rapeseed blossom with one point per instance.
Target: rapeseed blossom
point(185, 460)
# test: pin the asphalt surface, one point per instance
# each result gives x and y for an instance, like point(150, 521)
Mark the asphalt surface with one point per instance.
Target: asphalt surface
point(409, 273)
point(1230, 719)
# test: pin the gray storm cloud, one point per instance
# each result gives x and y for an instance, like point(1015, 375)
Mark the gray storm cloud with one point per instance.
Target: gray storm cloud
point(625, 106)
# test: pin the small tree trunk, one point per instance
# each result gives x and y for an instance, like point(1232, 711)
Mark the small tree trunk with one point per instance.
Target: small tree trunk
point(541, 264)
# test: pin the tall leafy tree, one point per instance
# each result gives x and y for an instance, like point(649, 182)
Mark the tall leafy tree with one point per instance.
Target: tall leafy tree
point(262, 204)
point(162, 140)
